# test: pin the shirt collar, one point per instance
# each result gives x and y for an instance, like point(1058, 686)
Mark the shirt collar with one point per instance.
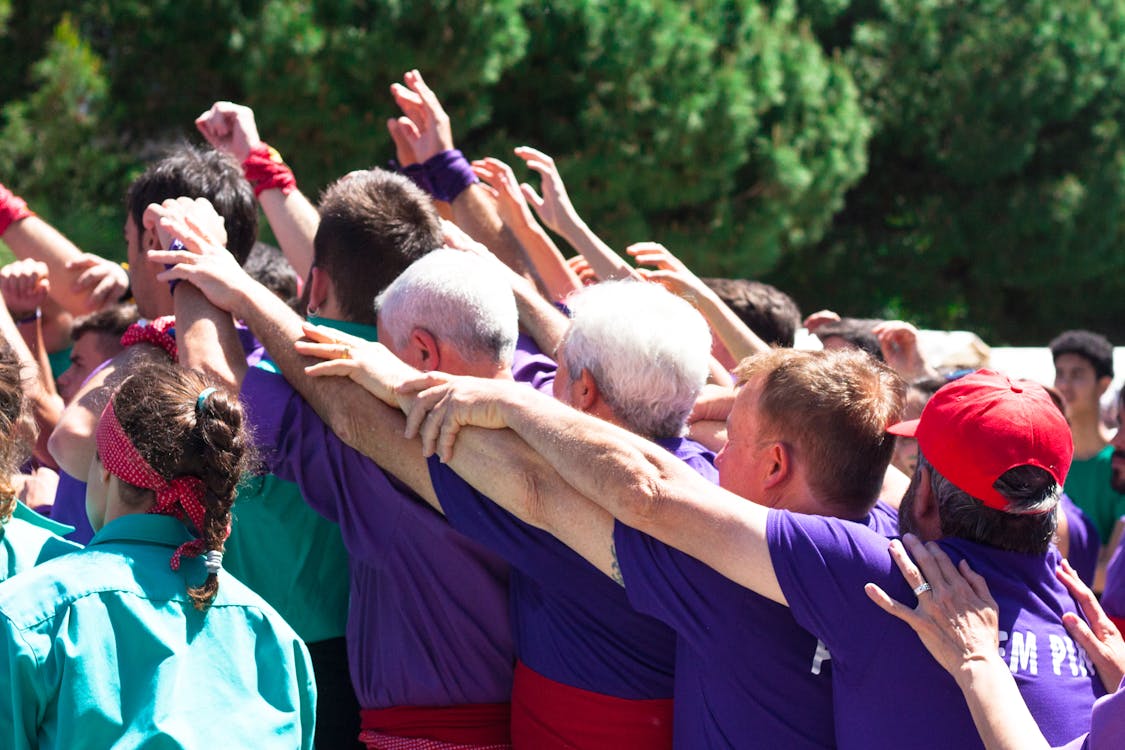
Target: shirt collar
point(27, 515)
point(144, 527)
point(362, 330)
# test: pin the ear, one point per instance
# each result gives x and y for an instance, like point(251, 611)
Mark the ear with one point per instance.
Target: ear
point(424, 348)
point(319, 286)
point(1103, 384)
point(779, 464)
point(149, 239)
point(584, 392)
point(925, 507)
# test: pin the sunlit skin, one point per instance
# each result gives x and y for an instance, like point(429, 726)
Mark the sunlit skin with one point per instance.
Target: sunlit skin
point(1117, 462)
point(89, 350)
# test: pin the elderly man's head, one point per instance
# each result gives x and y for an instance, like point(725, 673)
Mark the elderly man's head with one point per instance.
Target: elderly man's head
point(993, 455)
point(634, 354)
point(453, 312)
point(808, 431)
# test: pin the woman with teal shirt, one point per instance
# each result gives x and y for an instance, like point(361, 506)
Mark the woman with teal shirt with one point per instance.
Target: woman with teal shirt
point(141, 639)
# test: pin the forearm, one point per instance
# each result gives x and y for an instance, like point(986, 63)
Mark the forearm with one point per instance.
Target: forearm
point(294, 221)
point(34, 238)
point(39, 385)
point(206, 338)
point(998, 709)
point(607, 264)
point(736, 336)
point(542, 320)
point(474, 212)
point(549, 265)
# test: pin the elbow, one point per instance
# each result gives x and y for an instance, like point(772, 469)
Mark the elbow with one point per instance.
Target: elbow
point(640, 502)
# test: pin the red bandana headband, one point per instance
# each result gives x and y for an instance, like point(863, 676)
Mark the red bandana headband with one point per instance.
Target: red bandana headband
point(183, 494)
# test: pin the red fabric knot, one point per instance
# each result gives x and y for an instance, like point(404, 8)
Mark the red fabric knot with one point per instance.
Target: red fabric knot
point(156, 332)
point(265, 170)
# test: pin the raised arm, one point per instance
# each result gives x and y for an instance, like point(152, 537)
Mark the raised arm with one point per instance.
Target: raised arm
point(427, 128)
point(231, 128)
point(558, 213)
point(82, 283)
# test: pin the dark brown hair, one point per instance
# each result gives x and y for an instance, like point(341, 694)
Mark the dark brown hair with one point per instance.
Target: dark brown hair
point(373, 225)
point(17, 428)
point(156, 407)
point(833, 408)
point(769, 312)
point(112, 321)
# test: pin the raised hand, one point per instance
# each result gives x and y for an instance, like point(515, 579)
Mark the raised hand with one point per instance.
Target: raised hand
point(102, 280)
point(427, 129)
point(24, 286)
point(229, 128)
point(503, 186)
point(204, 262)
point(554, 207)
point(581, 268)
point(819, 319)
point(671, 273)
point(898, 341)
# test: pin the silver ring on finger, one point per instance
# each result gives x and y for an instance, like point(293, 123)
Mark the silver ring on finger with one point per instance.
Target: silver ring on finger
point(922, 588)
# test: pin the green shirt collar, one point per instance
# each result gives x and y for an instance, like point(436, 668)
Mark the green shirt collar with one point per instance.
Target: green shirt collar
point(27, 515)
point(362, 330)
point(144, 527)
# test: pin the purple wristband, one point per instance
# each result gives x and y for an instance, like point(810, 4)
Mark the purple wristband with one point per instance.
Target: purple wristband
point(449, 174)
point(417, 175)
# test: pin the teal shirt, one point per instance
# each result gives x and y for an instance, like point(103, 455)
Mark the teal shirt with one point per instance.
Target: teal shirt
point(27, 539)
point(1087, 484)
point(59, 361)
point(102, 648)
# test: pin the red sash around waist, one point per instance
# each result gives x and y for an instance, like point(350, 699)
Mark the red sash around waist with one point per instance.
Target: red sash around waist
point(547, 715)
point(1119, 622)
point(468, 724)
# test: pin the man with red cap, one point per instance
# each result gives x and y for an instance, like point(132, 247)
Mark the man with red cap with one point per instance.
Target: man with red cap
point(993, 455)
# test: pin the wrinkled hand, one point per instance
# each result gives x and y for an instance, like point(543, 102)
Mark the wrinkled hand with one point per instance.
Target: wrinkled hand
point(229, 128)
point(554, 207)
point(1100, 638)
point(899, 343)
point(425, 127)
point(958, 619)
point(368, 363)
point(443, 404)
point(24, 285)
point(821, 318)
point(671, 273)
point(103, 280)
point(205, 262)
point(502, 185)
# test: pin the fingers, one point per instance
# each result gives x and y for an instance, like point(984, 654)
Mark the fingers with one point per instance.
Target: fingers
point(1082, 595)
point(906, 566)
point(172, 257)
point(424, 401)
point(327, 351)
point(977, 583)
point(891, 606)
point(531, 196)
point(527, 153)
point(338, 367)
point(331, 336)
point(104, 292)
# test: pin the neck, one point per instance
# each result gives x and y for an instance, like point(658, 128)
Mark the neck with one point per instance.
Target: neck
point(1090, 436)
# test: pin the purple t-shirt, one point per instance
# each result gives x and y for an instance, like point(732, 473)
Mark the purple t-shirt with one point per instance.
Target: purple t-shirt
point(883, 519)
point(1085, 544)
point(572, 624)
point(530, 365)
point(746, 674)
point(70, 508)
point(1107, 730)
point(428, 613)
point(1113, 598)
point(889, 692)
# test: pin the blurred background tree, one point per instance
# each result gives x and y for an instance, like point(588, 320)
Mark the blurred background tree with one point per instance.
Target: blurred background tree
point(955, 162)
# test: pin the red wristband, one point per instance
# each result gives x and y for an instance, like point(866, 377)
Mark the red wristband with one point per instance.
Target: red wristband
point(12, 209)
point(159, 332)
point(265, 170)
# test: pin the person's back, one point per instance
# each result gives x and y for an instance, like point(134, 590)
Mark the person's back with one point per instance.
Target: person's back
point(103, 648)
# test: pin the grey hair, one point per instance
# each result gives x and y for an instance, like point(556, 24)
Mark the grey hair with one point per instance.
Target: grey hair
point(457, 297)
point(1029, 524)
point(647, 350)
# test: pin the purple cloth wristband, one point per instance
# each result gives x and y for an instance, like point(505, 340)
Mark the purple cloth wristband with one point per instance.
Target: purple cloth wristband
point(416, 173)
point(449, 173)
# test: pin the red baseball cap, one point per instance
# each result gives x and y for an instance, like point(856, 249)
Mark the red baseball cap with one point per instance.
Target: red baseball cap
point(976, 428)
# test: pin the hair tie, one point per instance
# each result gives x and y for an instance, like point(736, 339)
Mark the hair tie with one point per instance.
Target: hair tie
point(213, 561)
point(201, 400)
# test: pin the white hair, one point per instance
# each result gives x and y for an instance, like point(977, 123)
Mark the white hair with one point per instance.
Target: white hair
point(647, 350)
point(457, 297)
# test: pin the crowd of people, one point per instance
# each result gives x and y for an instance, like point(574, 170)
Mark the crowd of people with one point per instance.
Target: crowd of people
point(416, 480)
